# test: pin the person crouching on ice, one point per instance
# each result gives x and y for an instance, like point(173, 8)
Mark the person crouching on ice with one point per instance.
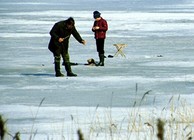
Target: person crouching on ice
point(99, 28)
point(59, 44)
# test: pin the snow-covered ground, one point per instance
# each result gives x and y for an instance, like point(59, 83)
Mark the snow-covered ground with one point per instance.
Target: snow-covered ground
point(154, 80)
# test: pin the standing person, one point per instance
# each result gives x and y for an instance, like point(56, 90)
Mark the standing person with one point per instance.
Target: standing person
point(59, 44)
point(99, 28)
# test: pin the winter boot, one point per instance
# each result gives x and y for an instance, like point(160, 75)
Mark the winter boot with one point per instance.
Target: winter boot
point(57, 70)
point(68, 69)
point(101, 57)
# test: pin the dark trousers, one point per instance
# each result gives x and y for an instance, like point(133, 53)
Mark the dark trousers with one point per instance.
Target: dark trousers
point(62, 51)
point(100, 45)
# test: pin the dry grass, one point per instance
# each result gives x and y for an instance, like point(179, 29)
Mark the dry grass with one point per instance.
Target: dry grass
point(173, 122)
point(2, 128)
point(4, 132)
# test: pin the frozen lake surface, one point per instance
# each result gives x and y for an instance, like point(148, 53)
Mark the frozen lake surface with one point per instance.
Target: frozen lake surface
point(159, 61)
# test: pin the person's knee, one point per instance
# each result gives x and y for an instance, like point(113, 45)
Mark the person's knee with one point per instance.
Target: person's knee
point(57, 58)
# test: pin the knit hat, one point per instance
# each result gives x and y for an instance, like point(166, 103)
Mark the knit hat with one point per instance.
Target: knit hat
point(96, 14)
point(70, 21)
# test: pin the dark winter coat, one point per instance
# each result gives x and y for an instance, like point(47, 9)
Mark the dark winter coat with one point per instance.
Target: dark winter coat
point(60, 30)
point(103, 27)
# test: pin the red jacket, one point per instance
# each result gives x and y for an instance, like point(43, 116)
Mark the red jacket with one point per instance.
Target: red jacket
point(103, 27)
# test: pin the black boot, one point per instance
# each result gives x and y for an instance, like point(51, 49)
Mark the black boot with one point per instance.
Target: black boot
point(101, 57)
point(68, 69)
point(57, 70)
